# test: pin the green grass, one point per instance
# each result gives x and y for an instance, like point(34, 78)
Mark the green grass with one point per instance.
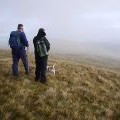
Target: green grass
point(77, 92)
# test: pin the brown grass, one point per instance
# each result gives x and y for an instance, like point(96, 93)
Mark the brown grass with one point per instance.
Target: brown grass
point(77, 92)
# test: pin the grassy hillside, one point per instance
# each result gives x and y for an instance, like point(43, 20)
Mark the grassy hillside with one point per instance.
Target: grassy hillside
point(77, 92)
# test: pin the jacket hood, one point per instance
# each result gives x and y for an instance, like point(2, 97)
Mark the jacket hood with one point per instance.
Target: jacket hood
point(41, 33)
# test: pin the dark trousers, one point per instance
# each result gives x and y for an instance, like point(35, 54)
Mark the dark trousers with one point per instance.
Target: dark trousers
point(16, 56)
point(41, 67)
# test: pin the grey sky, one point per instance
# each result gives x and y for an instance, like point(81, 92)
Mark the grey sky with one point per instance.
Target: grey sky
point(70, 20)
point(64, 19)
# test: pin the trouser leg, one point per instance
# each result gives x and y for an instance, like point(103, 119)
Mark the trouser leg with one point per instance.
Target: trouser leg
point(37, 72)
point(41, 66)
point(15, 58)
point(37, 69)
point(43, 69)
point(23, 57)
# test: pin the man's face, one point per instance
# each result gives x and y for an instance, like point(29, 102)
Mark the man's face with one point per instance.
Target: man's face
point(21, 29)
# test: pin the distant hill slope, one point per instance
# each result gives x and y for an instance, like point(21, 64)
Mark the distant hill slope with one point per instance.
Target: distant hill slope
point(77, 92)
point(103, 49)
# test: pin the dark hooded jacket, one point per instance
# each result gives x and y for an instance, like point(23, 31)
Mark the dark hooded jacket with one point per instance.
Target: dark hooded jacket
point(41, 34)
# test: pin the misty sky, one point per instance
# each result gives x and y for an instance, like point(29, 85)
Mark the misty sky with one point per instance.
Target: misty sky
point(93, 20)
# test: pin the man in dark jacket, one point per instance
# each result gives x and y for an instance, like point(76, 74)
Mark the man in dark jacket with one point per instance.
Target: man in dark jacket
point(41, 61)
point(19, 52)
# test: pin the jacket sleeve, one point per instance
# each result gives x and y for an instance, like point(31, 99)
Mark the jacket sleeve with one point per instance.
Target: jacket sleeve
point(24, 39)
point(34, 41)
point(47, 44)
point(9, 39)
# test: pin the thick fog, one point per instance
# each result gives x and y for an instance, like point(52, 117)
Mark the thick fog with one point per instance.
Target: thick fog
point(72, 26)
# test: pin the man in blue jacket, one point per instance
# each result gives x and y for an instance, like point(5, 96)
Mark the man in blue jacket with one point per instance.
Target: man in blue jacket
point(18, 42)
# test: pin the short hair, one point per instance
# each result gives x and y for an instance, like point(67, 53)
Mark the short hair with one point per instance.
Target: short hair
point(20, 26)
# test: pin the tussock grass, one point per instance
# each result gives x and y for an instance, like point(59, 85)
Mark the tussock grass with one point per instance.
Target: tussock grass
point(77, 92)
